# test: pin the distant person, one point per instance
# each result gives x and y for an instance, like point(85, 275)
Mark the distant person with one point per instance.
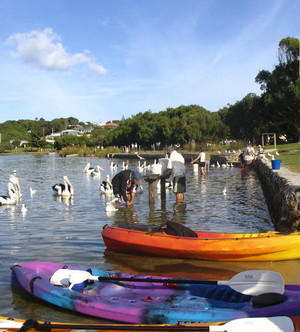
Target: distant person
point(177, 168)
point(202, 161)
point(248, 154)
point(125, 185)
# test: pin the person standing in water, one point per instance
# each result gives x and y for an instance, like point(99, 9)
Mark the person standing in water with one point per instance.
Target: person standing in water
point(202, 161)
point(177, 168)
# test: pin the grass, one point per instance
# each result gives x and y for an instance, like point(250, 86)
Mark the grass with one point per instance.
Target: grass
point(289, 154)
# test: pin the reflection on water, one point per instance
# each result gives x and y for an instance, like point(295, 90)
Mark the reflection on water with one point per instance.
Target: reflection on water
point(69, 230)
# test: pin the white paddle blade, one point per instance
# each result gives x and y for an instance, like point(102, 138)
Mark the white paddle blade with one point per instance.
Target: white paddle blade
point(10, 324)
point(261, 324)
point(256, 282)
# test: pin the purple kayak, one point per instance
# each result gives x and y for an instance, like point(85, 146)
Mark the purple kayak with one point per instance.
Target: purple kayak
point(137, 299)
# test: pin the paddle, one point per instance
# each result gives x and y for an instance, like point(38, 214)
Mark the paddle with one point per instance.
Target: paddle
point(252, 282)
point(270, 324)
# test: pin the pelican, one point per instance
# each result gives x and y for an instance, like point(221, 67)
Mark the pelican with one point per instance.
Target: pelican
point(139, 167)
point(156, 168)
point(65, 189)
point(9, 199)
point(113, 166)
point(88, 169)
point(124, 166)
point(97, 173)
point(15, 187)
point(110, 206)
point(106, 186)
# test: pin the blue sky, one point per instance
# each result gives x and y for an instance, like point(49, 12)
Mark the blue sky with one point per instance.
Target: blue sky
point(102, 60)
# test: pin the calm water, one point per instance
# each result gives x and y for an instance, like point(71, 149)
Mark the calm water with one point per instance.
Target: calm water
point(69, 231)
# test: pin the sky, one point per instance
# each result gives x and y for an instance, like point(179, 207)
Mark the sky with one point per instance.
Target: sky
point(105, 60)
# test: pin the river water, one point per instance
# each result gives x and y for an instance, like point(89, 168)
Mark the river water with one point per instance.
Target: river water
point(69, 230)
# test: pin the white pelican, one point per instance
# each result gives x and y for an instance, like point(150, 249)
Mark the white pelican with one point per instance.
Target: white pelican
point(106, 186)
point(9, 199)
point(156, 168)
point(110, 206)
point(113, 166)
point(97, 173)
point(139, 167)
point(124, 166)
point(15, 188)
point(65, 189)
point(88, 169)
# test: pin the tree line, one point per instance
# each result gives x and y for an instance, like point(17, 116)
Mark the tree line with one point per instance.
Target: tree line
point(276, 110)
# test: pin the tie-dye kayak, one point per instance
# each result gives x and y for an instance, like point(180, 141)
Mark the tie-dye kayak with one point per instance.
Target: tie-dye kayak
point(147, 302)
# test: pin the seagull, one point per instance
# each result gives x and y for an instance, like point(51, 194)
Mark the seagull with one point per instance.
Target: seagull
point(218, 165)
point(231, 164)
point(65, 189)
point(32, 191)
point(224, 191)
point(138, 156)
point(23, 209)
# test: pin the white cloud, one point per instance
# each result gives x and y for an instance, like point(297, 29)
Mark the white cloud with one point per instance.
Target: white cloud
point(44, 50)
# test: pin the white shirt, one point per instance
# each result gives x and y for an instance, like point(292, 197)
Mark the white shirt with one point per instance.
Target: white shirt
point(202, 157)
point(176, 163)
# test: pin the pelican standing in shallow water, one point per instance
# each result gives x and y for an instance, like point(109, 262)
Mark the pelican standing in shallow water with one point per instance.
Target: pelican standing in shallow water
point(65, 189)
point(9, 199)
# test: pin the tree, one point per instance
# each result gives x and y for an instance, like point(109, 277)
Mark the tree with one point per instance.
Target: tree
point(281, 90)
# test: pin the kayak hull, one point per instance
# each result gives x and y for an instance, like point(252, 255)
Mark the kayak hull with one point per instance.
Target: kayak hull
point(14, 324)
point(270, 246)
point(148, 302)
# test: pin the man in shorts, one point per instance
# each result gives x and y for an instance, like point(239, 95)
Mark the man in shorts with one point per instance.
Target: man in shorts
point(177, 168)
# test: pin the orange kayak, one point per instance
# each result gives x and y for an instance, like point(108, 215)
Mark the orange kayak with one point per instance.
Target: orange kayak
point(270, 246)
point(278, 323)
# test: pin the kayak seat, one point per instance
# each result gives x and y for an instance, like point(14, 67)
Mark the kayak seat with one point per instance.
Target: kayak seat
point(220, 293)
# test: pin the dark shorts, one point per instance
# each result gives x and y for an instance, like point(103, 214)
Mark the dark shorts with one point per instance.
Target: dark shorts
point(179, 184)
point(202, 164)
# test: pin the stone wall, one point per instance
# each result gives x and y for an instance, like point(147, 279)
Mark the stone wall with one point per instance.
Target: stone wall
point(283, 200)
